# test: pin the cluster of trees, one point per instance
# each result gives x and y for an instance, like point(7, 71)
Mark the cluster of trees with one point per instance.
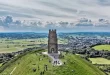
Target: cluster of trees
point(93, 53)
point(104, 67)
point(26, 35)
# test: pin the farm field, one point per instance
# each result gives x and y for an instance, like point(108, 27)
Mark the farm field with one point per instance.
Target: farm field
point(74, 65)
point(13, 45)
point(102, 47)
point(8, 46)
point(99, 61)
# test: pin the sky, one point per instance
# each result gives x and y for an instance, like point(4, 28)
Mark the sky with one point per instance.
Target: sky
point(55, 10)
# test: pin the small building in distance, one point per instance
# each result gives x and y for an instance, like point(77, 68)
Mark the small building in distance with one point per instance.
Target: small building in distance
point(52, 42)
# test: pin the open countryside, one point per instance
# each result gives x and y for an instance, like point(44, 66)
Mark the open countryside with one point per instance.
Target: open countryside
point(73, 65)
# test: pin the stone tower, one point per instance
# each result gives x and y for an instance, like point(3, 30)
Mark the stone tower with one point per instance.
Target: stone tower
point(52, 42)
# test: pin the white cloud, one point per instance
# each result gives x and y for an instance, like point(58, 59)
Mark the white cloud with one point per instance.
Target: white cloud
point(2, 29)
point(56, 9)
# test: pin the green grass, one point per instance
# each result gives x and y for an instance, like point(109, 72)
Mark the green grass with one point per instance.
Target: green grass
point(25, 64)
point(99, 61)
point(7, 46)
point(102, 47)
point(0, 64)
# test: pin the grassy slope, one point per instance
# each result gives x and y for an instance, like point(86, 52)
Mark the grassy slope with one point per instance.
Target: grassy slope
point(79, 65)
point(102, 47)
point(73, 62)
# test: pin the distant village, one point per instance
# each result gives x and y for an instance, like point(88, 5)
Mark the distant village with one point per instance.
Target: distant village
point(83, 45)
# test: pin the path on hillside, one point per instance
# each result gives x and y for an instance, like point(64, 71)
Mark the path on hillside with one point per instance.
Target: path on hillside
point(55, 59)
point(13, 71)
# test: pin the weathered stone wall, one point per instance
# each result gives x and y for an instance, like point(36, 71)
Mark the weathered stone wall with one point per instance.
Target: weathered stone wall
point(52, 42)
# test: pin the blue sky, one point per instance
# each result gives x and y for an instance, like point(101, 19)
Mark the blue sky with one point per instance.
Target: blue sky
point(55, 10)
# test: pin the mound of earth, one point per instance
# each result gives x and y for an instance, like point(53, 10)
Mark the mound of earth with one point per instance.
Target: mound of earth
point(36, 63)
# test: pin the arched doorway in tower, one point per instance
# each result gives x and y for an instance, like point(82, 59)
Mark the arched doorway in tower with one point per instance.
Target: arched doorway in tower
point(52, 50)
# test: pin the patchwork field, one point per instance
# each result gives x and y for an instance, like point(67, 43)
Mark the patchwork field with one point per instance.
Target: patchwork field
point(99, 61)
point(7, 46)
point(13, 45)
point(102, 47)
point(74, 65)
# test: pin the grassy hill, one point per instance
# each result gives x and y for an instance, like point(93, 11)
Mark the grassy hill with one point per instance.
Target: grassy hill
point(74, 65)
point(102, 47)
